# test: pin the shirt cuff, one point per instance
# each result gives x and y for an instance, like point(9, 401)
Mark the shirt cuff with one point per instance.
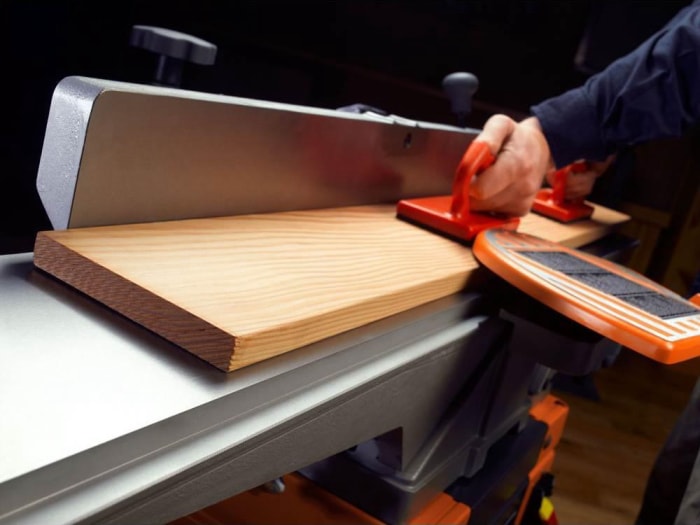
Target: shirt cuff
point(571, 128)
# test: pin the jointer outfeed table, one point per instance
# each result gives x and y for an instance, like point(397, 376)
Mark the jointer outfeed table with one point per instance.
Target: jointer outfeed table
point(107, 420)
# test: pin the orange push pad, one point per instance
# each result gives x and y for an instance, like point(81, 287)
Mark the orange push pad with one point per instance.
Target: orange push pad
point(550, 202)
point(608, 298)
point(450, 214)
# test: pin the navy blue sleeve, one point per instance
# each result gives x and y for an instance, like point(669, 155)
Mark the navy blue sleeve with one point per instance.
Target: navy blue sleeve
point(651, 93)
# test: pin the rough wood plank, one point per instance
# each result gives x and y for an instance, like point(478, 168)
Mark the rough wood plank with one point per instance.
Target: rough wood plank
point(237, 290)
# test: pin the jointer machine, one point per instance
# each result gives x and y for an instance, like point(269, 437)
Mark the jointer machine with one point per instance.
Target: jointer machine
point(436, 411)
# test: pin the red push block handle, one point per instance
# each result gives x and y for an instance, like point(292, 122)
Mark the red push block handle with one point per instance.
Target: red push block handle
point(476, 159)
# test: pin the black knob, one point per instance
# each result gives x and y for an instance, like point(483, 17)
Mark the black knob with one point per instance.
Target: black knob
point(459, 88)
point(174, 49)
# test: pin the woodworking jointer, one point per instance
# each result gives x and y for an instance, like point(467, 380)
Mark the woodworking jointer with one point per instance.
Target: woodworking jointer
point(106, 422)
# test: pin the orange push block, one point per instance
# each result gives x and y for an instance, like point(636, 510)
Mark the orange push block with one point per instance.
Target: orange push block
point(550, 202)
point(450, 214)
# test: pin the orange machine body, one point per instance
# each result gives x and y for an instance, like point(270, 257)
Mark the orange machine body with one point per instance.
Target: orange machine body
point(553, 412)
point(550, 202)
point(640, 314)
point(450, 214)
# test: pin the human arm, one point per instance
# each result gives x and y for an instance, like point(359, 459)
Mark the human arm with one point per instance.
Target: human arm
point(653, 92)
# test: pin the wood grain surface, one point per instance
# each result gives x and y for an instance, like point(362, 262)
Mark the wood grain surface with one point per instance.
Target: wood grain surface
point(237, 290)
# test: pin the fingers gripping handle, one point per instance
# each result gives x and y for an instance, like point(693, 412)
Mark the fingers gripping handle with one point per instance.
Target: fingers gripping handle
point(560, 177)
point(476, 159)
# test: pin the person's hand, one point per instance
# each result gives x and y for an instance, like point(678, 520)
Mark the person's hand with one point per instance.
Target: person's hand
point(522, 158)
point(579, 185)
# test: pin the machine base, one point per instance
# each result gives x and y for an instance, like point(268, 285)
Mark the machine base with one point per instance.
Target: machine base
point(503, 489)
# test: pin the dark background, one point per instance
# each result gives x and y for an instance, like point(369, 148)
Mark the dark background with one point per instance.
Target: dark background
point(391, 54)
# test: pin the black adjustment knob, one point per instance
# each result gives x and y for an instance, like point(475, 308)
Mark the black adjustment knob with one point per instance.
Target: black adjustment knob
point(459, 88)
point(174, 49)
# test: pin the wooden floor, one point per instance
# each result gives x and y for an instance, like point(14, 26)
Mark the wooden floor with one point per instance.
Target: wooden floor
point(609, 445)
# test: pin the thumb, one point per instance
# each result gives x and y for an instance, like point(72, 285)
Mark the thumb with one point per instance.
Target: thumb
point(496, 131)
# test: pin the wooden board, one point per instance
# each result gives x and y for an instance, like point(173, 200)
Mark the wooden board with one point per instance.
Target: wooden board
point(237, 290)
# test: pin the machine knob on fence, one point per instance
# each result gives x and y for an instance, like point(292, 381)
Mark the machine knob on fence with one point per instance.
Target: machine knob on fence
point(459, 88)
point(174, 49)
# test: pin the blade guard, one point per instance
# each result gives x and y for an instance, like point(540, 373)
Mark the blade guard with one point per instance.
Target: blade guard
point(608, 298)
point(450, 214)
point(551, 203)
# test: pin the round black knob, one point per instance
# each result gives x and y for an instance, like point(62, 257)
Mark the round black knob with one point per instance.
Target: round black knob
point(174, 49)
point(459, 88)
